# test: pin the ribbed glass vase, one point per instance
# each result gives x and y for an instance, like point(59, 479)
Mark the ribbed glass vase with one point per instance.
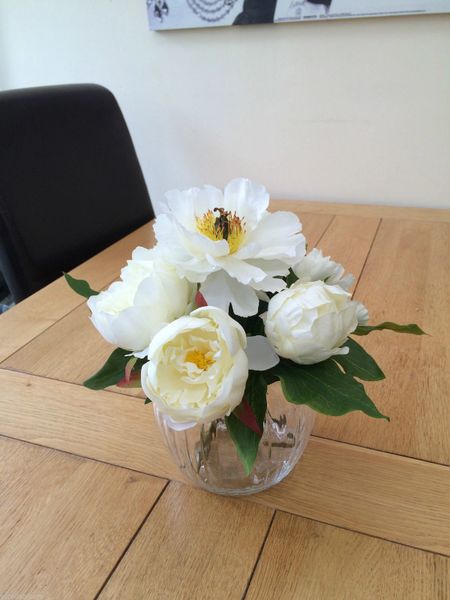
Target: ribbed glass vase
point(207, 456)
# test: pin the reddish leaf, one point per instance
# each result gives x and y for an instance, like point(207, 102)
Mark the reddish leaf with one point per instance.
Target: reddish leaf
point(133, 381)
point(200, 300)
point(244, 412)
point(129, 368)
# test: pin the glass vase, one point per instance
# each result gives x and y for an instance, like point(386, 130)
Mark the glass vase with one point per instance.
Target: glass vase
point(207, 456)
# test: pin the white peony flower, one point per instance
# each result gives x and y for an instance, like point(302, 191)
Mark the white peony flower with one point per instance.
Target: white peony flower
point(229, 242)
point(197, 367)
point(150, 295)
point(309, 322)
point(314, 267)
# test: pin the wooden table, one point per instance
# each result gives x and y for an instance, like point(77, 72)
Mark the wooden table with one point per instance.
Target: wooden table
point(92, 505)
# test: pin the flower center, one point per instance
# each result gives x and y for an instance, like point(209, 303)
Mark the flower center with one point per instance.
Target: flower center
point(199, 359)
point(222, 224)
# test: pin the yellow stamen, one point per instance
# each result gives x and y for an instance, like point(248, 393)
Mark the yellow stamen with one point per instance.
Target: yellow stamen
point(199, 359)
point(226, 226)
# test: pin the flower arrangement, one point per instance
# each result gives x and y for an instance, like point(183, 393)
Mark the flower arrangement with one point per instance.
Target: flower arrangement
point(227, 303)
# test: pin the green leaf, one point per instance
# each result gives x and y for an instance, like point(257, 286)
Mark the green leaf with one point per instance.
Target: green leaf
point(253, 325)
point(269, 376)
point(358, 363)
point(112, 371)
point(245, 439)
point(80, 286)
point(411, 328)
point(147, 401)
point(256, 394)
point(291, 278)
point(325, 388)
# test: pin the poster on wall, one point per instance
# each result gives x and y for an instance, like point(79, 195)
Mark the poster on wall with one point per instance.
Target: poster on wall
point(177, 14)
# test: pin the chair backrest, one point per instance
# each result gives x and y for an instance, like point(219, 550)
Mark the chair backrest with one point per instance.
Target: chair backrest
point(70, 181)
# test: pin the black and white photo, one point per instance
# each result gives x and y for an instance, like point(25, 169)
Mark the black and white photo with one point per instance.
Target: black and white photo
point(179, 14)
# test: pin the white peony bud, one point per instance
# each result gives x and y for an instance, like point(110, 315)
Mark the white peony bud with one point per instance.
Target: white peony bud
point(197, 367)
point(150, 294)
point(314, 267)
point(309, 322)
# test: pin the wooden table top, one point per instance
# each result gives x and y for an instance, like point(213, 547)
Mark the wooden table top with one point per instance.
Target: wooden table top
point(91, 504)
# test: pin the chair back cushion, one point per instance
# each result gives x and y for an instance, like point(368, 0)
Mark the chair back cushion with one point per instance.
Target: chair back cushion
point(70, 181)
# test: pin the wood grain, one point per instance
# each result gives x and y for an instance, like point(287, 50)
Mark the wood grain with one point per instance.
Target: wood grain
point(313, 226)
point(392, 497)
point(308, 560)
point(380, 211)
point(348, 240)
point(103, 425)
point(388, 496)
point(194, 545)
point(34, 315)
point(406, 280)
point(72, 349)
point(65, 521)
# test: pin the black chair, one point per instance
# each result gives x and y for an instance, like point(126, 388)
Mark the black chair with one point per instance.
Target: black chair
point(5, 296)
point(70, 181)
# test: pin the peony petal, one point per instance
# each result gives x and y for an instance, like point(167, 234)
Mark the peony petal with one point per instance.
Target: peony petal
point(209, 198)
point(343, 350)
point(232, 388)
point(145, 255)
point(240, 270)
point(221, 290)
point(346, 282)
point(181, 205)
point(270, 284)
point(229, 327)
point(141, 354)
point(196, 244)
point(166, 233)
point(362, 314)
point(270, 267)
point(188, 204)
point(260, 353)
point(316, 267)
point(171, 423)
point(278, 237)
point(247, 199)
point(170, 330)
point(262, 296)
point(133, 328)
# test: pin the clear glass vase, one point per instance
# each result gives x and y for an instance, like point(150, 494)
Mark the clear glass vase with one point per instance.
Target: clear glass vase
point(207, 456)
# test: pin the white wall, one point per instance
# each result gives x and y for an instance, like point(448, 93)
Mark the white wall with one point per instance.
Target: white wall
point(354, 111)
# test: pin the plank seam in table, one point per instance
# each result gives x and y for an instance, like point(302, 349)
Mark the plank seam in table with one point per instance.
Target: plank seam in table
point(367, 257)
point(250, 499)
point(126, 395)
point(86, 457)
point(258, 557)
point(301, 505)
point(130, 542)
